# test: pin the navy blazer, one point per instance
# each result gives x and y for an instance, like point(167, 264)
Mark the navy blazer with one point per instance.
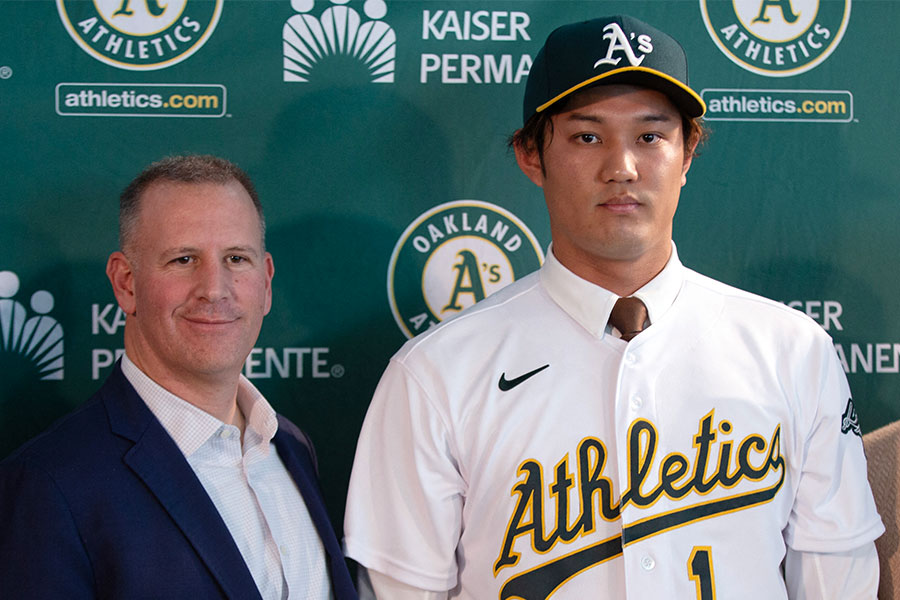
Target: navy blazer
point(104, 505)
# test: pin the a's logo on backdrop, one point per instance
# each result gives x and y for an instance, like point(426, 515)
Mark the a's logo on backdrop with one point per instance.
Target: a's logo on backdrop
point(140, 34)
point(31, 341)
point(454, 255)
point(338, 40)
point(776, 38)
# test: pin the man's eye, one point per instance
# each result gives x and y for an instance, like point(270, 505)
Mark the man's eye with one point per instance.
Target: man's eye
point(182, 260)
point(588, 138)
point(236, 260)
point(649, 138)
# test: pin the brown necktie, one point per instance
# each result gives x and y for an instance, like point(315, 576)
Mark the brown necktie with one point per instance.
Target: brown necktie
point(628, 316)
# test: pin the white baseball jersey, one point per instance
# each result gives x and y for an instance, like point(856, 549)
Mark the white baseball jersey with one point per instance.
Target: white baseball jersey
point(520, 450)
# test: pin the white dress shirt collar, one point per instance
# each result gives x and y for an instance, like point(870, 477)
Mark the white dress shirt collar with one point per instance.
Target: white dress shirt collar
point(191, 426)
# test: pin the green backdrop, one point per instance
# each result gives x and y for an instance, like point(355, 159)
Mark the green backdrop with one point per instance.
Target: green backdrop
point(356, 119)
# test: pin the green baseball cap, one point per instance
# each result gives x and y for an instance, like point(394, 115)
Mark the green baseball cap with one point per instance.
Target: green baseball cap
point(618, 49)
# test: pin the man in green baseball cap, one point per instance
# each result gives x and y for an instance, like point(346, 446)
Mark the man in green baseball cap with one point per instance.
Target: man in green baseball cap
point(615, 425)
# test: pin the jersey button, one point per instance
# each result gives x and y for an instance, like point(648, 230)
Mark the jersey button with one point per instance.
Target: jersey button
point(637, 402)
point(647, 563)
point(630, 359)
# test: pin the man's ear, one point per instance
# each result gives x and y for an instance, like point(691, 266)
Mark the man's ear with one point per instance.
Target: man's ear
point(686, 165)
point(531, 164)
point(121, 277)
point(270, 272)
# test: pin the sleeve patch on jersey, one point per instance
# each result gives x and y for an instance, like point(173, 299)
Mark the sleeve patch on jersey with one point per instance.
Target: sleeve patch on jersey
point(850, 420)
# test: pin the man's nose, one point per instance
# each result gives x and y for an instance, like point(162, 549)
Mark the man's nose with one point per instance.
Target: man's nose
point(619, 165)
point(213, 280)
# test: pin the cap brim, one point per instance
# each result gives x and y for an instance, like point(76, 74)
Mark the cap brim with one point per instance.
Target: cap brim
point(681, 95)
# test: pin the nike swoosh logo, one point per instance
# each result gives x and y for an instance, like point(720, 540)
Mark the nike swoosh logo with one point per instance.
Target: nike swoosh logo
point(507, 384)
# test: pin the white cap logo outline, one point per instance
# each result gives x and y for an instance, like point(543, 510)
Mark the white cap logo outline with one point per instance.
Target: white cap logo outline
point(619, 41)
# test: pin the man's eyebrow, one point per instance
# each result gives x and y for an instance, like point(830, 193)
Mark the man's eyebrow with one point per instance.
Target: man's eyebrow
point(245, 249)
point(179, 250)
point(187, 250)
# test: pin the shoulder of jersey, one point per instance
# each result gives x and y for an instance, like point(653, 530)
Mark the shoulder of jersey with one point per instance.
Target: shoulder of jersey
point(481, 318)
point(753, 306)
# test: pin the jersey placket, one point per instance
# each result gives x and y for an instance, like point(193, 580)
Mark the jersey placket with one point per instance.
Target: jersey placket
point(635, 400)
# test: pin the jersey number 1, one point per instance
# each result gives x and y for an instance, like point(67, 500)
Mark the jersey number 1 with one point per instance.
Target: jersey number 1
point(700, 570)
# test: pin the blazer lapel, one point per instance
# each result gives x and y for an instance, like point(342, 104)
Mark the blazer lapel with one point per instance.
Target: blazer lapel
point(157, 461)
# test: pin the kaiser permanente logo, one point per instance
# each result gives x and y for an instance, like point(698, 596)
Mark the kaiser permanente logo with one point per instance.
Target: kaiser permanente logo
point(140, 35)
point(343, 45)
point(776, 38)
point(31, 342)
point(454, 255)
point(328, 46)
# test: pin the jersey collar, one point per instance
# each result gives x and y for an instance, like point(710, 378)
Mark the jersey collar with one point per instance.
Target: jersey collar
point(590, 304)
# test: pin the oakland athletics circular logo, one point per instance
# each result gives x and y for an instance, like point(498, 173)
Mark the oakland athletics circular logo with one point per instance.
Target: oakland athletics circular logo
point(454, 255)
point(776, 38)
point(140, 34)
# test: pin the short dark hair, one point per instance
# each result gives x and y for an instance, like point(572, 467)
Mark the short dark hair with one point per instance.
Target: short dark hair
point(194, 168)
point(533, 135)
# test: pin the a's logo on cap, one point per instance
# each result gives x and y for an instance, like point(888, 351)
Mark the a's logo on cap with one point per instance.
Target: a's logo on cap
point(618, 41)
point(776, 38)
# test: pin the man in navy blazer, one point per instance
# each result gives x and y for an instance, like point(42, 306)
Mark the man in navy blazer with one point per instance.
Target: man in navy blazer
point(164, 484)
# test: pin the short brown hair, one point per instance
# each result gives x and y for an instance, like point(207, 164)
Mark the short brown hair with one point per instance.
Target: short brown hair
point(196, 168)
